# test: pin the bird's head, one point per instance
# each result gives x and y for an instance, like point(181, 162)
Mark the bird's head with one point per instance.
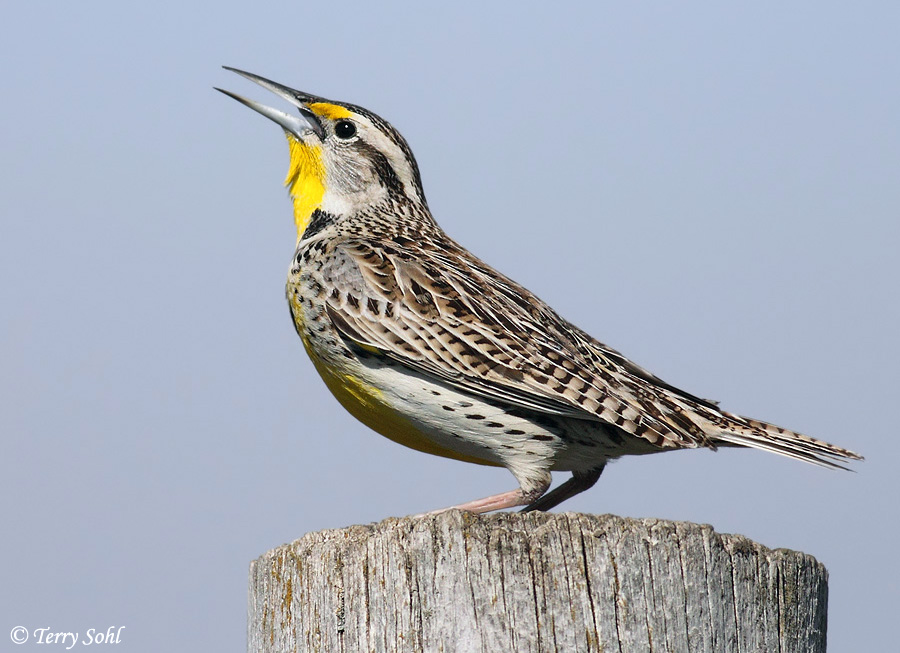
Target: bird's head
point(343, 157)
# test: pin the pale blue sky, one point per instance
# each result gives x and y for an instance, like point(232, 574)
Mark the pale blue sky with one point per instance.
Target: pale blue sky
point(712, 190)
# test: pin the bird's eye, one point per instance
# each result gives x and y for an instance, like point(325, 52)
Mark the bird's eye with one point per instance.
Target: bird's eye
point(344, 129)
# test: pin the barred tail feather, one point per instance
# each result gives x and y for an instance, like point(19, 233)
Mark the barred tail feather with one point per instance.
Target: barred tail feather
point(746, 432)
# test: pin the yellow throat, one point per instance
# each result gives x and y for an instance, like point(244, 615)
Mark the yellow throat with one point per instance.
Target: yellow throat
point(305, 181)
point(306, 176)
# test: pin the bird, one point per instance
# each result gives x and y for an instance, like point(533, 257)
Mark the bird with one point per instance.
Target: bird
point(433, 348)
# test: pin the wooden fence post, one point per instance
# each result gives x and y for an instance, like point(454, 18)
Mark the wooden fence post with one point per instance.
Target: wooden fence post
point(537, 582)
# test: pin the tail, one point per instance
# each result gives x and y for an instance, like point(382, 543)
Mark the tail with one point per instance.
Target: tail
point(740, 431)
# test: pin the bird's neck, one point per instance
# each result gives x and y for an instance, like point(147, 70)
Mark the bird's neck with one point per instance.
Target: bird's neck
point(305, 182)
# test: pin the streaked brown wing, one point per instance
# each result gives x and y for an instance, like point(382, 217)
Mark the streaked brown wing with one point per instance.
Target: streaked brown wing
point(444, 313)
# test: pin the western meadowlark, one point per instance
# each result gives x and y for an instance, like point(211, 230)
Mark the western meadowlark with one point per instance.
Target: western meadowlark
point(436, 350)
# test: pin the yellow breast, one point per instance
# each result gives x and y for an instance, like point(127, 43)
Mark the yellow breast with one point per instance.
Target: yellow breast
point(367, 403)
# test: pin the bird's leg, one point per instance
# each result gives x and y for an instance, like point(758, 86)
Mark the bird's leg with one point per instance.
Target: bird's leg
point(579, 482)
point(511, 499)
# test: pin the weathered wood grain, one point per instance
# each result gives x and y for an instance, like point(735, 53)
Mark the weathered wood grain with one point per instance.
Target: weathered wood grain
point(536, 582)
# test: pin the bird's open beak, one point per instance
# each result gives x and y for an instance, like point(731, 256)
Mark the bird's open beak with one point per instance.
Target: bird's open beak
point(299, 126)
